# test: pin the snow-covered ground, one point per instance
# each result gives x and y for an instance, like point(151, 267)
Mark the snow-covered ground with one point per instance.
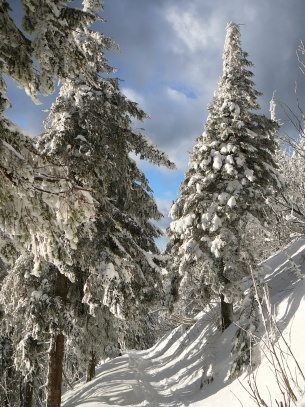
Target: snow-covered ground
point(189, 367)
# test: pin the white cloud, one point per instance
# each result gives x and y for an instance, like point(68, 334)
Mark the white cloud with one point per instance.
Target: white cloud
point(176, 96)
point(191, 30)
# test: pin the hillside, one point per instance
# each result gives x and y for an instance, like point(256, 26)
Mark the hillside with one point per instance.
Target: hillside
point(189, 367)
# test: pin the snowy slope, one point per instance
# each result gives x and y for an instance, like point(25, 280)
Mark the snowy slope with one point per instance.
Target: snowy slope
point(190, 367)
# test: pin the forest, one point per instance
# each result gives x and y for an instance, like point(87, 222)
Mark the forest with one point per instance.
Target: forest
point(82, 278)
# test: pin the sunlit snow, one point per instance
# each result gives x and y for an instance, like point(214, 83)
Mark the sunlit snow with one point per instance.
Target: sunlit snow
point(189, 367)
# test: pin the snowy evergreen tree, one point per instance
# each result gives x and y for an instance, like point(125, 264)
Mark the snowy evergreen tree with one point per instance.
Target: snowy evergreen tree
point(102, 273)
point(40, 208)
point(32, 203)
point(232, 173)
point(116, 254)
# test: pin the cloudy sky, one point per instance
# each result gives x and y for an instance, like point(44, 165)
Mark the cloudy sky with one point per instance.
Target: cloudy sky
point(171, 60)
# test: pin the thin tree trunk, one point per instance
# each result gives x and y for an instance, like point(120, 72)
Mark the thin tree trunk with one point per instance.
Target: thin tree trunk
point(91, 367)
point(28, 394)
point(9, 375)
point(56, 354)
point(226, 309)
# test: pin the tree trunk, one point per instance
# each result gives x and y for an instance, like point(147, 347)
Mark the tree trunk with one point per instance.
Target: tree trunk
point(226, 309)
point(91, 367)
point(28, 394)
point(9, 377)
point(56, 354)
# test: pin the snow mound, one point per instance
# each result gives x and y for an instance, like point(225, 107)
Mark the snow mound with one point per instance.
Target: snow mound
point(190, 367)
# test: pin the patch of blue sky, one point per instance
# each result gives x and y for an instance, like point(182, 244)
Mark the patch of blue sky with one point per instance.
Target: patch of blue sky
point(164, 183)
point(161, 242)
point(24, 112)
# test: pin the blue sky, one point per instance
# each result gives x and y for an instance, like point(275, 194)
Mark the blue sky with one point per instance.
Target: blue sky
point(170, 63)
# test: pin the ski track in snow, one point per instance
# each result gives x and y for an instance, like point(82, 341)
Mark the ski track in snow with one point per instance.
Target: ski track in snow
point(189, 367)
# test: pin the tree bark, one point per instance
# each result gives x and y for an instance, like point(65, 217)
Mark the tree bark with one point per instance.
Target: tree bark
point(28, 394)
point(9, 376)
point(56, 353)
point(91, 367)
point(226, 309)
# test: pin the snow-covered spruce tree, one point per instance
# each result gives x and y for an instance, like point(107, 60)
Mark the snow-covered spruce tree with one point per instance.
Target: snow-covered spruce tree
point(15, 389)
point(89, 129)
point(5, 356)
point(40, 208)
point(232, 172)
point(23, 327)
point(37, 313)
point(89, 134)
point(32, 203)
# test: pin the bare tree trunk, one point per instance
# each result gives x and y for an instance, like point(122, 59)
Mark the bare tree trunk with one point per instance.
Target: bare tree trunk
point(9, 377)
point(56, 354)
point(91, 367)
point(226, 309)
point(28, 394)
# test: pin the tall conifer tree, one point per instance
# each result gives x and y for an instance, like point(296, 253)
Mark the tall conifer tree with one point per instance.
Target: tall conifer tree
point(89, 130)
point(32, 203)
point(108, 268)
point(232, 172)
